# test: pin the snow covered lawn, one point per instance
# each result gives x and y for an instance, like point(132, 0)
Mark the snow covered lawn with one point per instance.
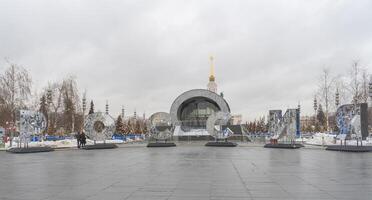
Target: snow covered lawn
point(66, 143)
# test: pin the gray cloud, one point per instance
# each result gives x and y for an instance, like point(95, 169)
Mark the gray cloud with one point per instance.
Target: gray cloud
point(143, 54)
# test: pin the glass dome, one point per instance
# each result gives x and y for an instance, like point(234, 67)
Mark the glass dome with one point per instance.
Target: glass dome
point(194, 112)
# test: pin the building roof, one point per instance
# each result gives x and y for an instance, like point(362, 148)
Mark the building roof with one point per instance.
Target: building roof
point(219, 100)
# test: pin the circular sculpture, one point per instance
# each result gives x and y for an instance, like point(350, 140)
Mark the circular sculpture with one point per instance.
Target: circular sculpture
point(218, 119)
point(99, 126)
point(31, 122)
point(160, 126)
point(191, 109)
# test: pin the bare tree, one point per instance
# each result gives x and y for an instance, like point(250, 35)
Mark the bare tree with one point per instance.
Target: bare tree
point(71, 102)
point(356, 83)
point(15, 86)
point(53, 94)
point(33, 103)
point(63, 104)
point(326, 92)
point(353, 87)
point(365, 86)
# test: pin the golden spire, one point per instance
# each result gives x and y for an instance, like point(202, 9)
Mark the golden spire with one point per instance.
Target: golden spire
point(211, 76)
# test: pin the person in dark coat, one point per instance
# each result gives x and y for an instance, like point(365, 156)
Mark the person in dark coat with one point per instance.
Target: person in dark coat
point(83, 139)
point(78, 139)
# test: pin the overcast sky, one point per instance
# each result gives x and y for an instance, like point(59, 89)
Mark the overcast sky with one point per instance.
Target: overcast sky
point(143, 54)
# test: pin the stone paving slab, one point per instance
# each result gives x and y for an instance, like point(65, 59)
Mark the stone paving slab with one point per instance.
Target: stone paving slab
point(186, 172)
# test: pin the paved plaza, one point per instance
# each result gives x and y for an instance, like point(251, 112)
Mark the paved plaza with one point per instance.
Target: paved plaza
point(186, 172)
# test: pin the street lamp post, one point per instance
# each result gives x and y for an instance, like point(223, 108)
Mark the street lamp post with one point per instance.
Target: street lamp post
point(337, 98)
point(84, 108)
point(315, 110)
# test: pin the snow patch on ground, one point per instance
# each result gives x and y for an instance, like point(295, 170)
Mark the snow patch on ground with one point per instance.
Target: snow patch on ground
point(330, 139)
point(66, 143)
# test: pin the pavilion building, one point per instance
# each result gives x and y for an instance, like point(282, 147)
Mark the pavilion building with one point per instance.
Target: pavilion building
point(190, 110)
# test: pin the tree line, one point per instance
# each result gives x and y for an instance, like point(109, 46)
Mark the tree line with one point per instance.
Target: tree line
point(59, 101)
point(332, 91)
point(131, 126)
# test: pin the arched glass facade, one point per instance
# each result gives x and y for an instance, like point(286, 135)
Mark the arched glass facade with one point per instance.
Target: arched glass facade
point(194, 112)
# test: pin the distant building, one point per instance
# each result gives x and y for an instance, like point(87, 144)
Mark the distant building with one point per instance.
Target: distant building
point(307, 122)
point(190, 110)
point(236, 119)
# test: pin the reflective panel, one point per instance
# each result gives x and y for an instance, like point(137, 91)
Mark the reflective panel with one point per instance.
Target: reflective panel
point(99, 126)
point(160, 126)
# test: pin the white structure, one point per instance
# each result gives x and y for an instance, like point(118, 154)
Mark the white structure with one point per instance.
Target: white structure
point(99, 126)
point(215, 122)
point(212, 86)
point(31, 122)
point(191, 110)
point(283, 126)
point(160, 125)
